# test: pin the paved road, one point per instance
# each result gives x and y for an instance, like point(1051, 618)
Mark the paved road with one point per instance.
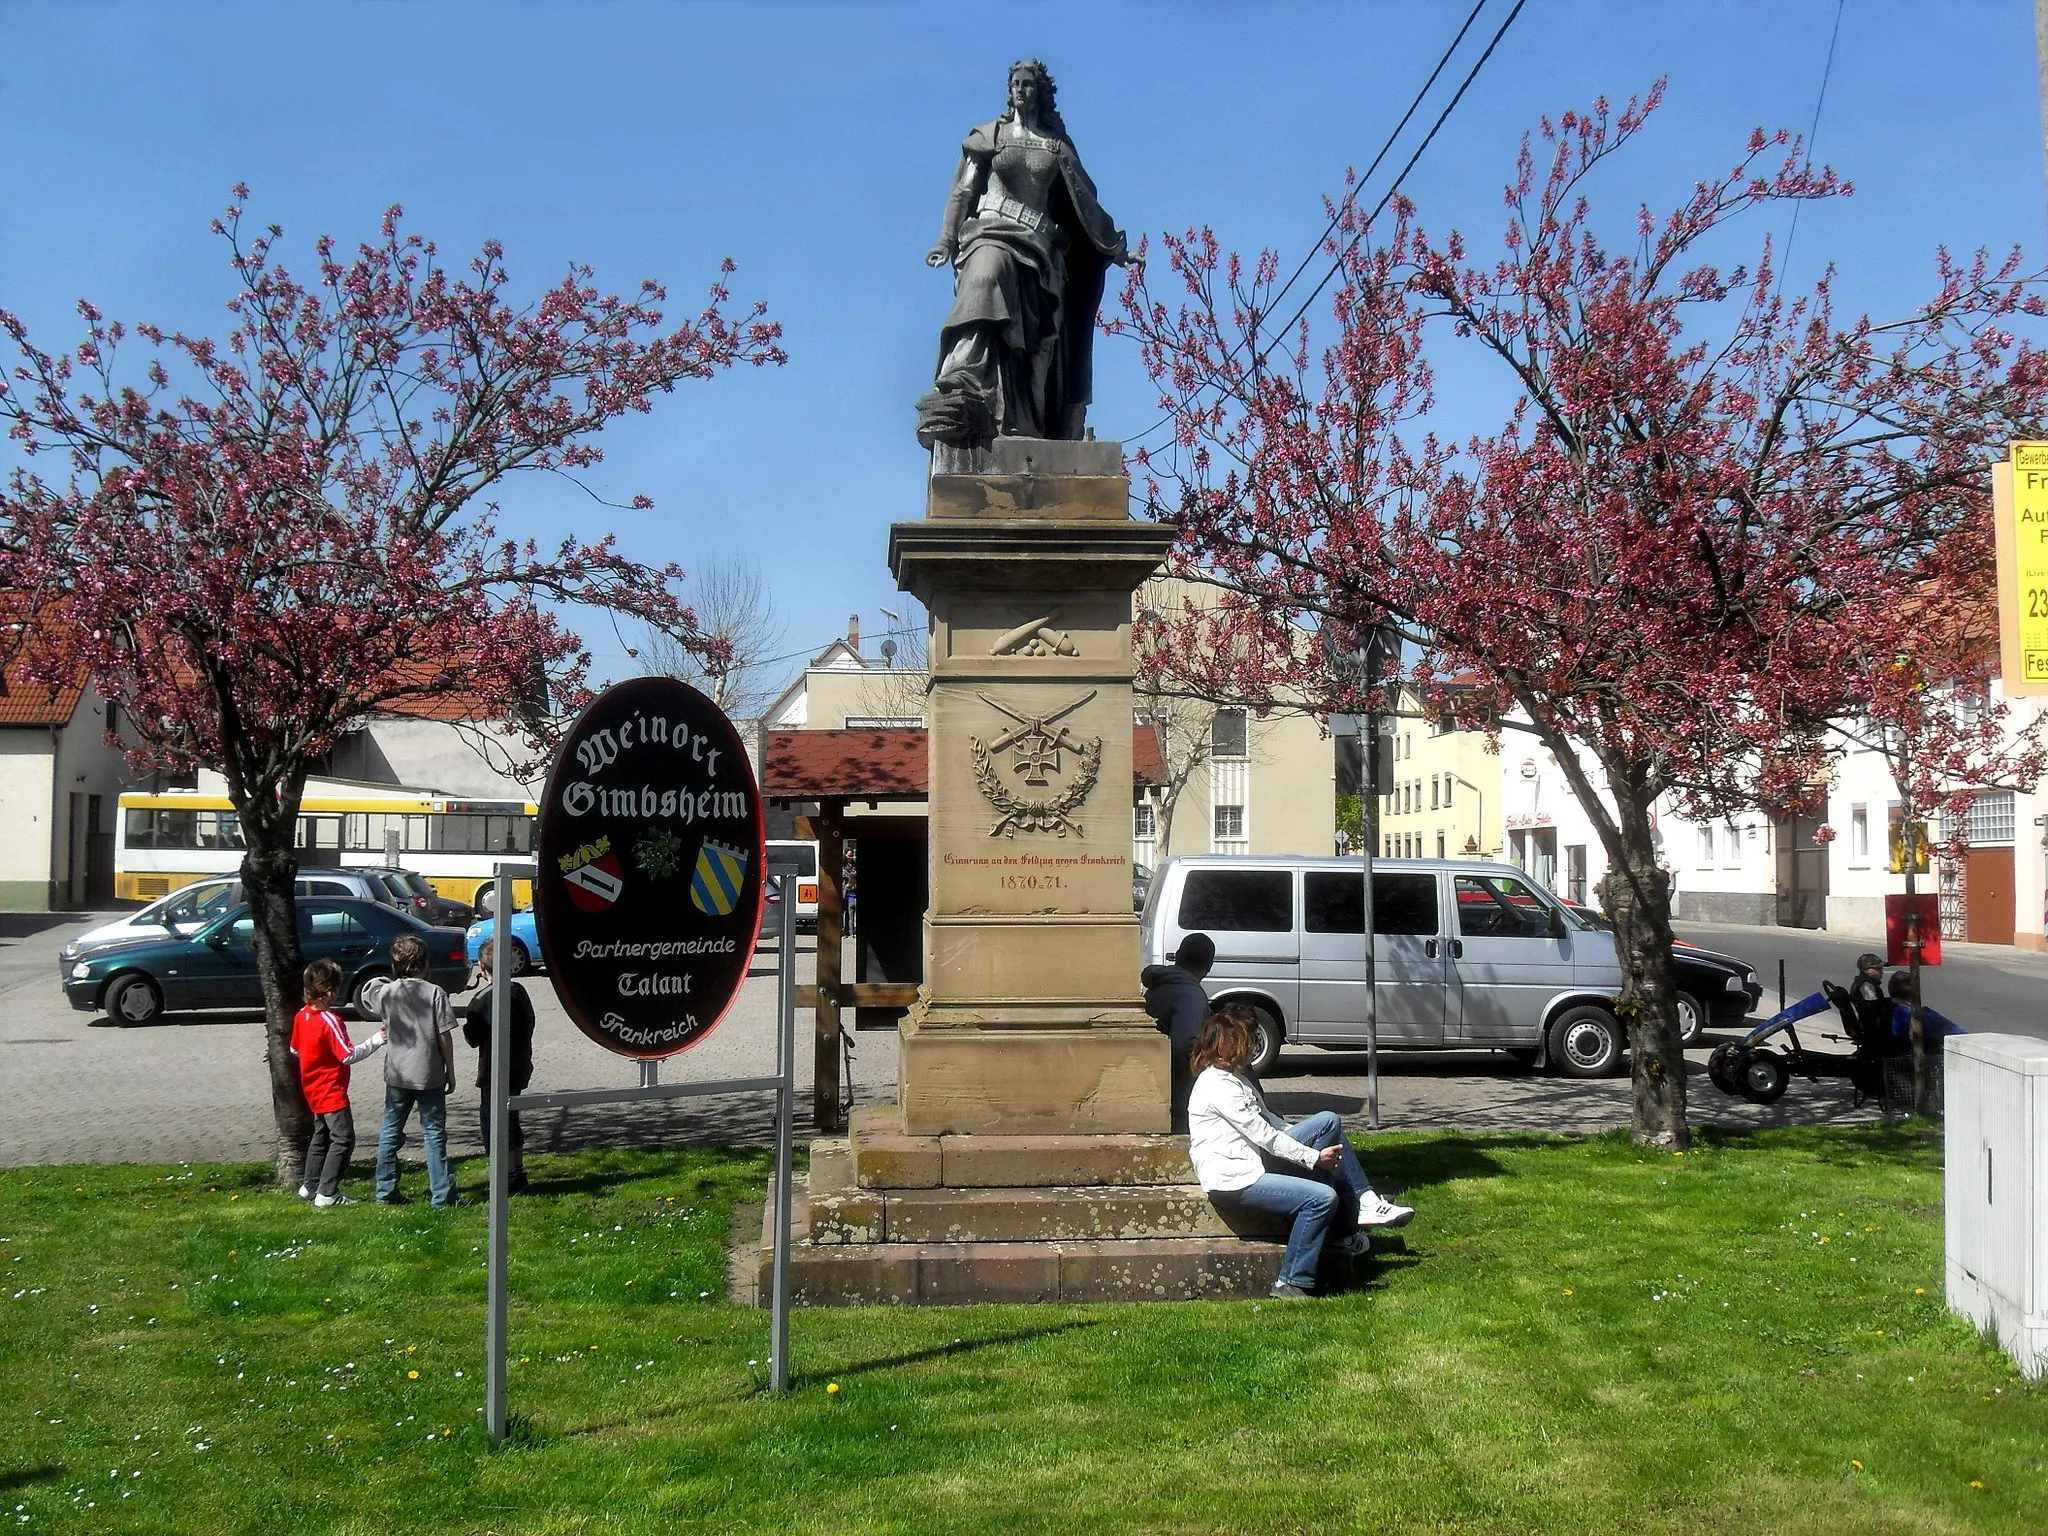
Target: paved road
point(75, 1088)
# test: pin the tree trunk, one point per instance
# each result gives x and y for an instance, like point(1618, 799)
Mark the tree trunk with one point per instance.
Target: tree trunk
point(1639, 900)
point(269, 870)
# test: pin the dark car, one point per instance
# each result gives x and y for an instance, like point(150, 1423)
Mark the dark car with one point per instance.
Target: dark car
point(1712, 988)
point(413, 894)
point(215, 966)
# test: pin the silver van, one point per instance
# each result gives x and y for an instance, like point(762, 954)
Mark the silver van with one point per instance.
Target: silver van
point(1466, 955)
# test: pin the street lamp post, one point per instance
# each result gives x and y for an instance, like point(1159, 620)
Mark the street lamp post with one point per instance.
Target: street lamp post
point(1360, 661)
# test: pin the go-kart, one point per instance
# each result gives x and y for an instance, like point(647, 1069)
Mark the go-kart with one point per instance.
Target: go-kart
point(1760, 1072)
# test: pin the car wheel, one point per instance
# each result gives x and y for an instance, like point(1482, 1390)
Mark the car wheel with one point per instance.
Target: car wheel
point(522, 962)
point(1267, 1037)
point(1586, 1042)
point(1764, 1078)
point(134, 1000)
point(1692, 1020)
point(486, 899)
point(1724, 1069)
point(355, 996)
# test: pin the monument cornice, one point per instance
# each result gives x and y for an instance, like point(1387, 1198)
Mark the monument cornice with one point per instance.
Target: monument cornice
point(1025, 554)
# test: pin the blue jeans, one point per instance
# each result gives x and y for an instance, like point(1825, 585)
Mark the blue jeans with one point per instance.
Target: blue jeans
point(1312, 1200)
point(398, 1103)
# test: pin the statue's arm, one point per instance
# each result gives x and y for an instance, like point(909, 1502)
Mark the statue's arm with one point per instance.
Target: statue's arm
point(960, 204)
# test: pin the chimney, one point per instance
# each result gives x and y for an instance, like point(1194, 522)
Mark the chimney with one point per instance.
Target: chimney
point(853, 634)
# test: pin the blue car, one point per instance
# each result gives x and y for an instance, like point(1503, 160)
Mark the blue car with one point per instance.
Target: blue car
point(525, 940)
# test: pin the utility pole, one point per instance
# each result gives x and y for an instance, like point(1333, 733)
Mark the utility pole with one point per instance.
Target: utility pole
point(2041, 61)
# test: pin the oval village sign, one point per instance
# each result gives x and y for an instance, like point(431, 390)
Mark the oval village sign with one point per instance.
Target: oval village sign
point(650, 883)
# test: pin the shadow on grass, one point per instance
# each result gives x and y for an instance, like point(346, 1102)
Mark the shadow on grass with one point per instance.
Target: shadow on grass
point(946, 1351)
point(23, 1477)
point(1858, 1146)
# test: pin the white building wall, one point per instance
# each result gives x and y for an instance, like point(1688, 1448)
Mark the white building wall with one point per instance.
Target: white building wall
point(1546, 830)
point(27, 831)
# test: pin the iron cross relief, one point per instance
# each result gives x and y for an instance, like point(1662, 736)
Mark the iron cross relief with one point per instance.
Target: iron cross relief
point(1035, 746)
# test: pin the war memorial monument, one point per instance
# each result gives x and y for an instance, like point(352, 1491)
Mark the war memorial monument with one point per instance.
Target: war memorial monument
point(1027, 1156)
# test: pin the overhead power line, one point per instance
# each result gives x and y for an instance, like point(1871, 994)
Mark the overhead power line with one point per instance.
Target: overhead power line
point(1359, 186)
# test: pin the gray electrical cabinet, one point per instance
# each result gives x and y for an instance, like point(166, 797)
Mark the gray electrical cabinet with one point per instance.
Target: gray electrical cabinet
point(1996, 1189)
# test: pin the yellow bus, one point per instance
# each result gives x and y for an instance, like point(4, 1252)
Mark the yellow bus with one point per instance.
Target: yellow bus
point(163, 841)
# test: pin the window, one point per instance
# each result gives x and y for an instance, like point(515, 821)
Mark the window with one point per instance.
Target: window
point(1227, 734)
point(1859, 835)
point(1434, 804)
point(1439, 845)
point(1230, 821)
point(883, 722)
point(1731, 845)
point(1237, 901)
point(1493, 906)
point(1400, 903)
point(1706, 845)
point(1448, 780)
point(1142, 822)
point(333, 924)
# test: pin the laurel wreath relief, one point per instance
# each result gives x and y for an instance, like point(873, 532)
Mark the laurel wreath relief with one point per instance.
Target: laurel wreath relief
point(1053, 813)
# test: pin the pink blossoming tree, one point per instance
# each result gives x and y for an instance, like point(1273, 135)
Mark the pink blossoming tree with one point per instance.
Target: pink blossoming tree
point(1673, 558)
point(257, 542)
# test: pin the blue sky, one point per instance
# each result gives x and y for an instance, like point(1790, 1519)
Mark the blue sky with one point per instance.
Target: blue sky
point(812, 143)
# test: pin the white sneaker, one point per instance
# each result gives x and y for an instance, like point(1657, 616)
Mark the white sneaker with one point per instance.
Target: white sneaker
point(1375, 1211)
point(305, 1191)
point(324, 1201)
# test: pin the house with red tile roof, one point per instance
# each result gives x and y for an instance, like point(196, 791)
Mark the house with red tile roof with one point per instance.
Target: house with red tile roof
point(59, 783)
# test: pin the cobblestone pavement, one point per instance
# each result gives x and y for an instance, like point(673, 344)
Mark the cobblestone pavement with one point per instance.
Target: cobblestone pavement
point(74, 1087)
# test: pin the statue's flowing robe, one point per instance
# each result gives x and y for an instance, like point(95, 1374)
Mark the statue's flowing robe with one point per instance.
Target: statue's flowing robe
point(1025, 287)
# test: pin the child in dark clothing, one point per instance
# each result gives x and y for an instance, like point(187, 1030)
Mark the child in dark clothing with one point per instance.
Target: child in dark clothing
point(325, 1053)
point(476, 1029)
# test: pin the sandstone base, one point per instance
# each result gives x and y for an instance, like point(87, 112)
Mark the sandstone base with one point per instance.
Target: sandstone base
point(969, 1081)
point(889, 1217)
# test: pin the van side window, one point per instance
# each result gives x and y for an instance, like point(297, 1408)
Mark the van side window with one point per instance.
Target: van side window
point(1401, 903)
point(1238, 901)
point(1493, 906)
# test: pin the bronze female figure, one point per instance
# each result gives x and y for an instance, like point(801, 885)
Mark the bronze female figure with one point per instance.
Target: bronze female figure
point(1029, 245)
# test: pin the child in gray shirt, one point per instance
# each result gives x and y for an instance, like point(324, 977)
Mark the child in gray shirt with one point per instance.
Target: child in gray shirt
point(418, 1068)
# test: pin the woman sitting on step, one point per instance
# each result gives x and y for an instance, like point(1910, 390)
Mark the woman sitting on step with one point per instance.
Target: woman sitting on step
point(1239, 1147)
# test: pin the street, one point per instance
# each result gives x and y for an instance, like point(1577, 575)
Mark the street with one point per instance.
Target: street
point(193, 1088)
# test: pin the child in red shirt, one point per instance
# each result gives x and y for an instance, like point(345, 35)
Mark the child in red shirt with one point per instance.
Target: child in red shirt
point(325, 1053)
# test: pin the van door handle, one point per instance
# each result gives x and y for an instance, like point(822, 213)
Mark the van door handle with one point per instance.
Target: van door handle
point(1429, 948)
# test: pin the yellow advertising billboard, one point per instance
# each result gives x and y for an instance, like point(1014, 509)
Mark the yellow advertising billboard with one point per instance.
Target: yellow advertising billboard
point(2019, 498)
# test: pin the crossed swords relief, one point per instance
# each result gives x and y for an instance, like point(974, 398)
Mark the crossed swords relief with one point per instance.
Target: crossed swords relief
point(1038, 753)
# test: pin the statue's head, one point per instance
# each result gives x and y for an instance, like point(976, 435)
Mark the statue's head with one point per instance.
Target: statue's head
point(1033, 95)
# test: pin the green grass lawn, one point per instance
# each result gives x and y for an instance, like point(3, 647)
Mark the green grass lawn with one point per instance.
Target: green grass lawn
point(1577, 1337)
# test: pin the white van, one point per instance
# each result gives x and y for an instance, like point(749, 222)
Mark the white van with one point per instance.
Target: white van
point(1466, 956)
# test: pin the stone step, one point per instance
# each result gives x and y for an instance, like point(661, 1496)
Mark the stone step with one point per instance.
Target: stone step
point(939, 1274)
point(885, 1158)
point(1013, 1215)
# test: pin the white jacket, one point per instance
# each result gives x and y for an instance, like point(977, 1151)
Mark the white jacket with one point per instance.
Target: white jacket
point(1228, 1128)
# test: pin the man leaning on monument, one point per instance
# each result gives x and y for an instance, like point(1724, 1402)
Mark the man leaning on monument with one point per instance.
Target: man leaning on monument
point(1178, 1005)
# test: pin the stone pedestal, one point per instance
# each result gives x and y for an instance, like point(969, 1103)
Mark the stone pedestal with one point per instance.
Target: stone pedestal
point(1030, 1021)
point(1027, 1157)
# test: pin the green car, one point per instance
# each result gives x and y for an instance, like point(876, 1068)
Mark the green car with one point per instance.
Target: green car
point(135, 980)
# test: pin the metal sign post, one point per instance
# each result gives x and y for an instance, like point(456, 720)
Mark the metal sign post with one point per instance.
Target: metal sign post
point(1368, 834)
point(785, 1120)
point(503, 1103)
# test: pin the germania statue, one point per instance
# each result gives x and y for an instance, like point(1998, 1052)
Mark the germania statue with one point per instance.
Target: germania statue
point(1029, 246)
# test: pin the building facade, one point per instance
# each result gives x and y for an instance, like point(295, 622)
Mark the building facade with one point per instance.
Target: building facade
point(1446, 798)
